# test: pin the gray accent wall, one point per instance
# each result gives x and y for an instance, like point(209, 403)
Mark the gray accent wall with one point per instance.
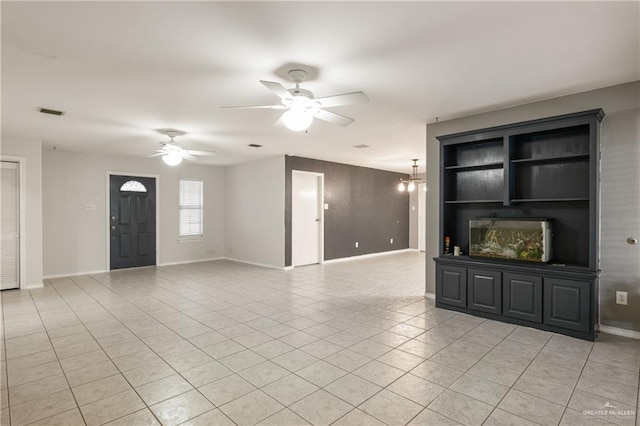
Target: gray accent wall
point(364, 206)
point(619, 191)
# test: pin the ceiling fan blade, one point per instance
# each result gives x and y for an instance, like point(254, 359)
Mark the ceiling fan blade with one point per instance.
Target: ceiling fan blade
point(333, 118)
point(344, 99)
point(278, 89)
point(256, 107)
point(279, 122)
point(189, 157)
point(203, 153)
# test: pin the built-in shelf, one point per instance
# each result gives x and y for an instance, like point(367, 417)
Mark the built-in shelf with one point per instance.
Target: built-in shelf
point(472, 201)
point(496, 165)
point(554, 159)
point(544, 200)
point(537, 169)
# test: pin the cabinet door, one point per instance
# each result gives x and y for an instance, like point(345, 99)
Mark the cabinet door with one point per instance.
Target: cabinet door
point(451, 285)
point(522, 297)
point(566, 303)
point(484, 290)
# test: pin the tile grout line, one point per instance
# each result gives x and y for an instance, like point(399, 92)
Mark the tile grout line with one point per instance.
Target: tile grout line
point(6, 358)
point(147, 406)
point(56, 354)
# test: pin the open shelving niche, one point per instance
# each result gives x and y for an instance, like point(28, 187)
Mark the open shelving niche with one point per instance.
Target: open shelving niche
point(546, 168)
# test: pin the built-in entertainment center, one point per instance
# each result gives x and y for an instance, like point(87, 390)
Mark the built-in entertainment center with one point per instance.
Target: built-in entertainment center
point(529, 192)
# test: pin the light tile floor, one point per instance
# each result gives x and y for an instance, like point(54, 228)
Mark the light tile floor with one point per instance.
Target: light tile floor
point(353, 343)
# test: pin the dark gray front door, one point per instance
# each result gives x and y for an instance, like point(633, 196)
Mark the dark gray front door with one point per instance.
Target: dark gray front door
point(132, 221)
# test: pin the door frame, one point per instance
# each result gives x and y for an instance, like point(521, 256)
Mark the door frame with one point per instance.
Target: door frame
point(22, 216)
point(108, 213)
point(321, 214)
point(422, 213)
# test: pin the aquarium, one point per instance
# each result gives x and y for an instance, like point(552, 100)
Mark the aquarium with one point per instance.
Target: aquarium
point(516, 239)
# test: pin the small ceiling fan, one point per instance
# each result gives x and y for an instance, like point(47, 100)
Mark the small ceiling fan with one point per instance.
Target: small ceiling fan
point(172, 153)
point(302, 107)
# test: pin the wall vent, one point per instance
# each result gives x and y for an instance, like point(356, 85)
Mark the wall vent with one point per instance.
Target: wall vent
point(50, 111)
point(361, 146)
point(255, 145)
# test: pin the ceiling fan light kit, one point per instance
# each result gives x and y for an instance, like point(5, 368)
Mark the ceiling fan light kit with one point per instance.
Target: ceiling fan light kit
point(302, 107)
point(172, 153)
point(172, 159)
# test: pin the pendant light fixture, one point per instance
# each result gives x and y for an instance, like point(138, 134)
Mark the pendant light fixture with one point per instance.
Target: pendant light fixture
point(411, 183)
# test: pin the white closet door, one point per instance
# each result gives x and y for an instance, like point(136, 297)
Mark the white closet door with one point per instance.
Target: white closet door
point(9, 226)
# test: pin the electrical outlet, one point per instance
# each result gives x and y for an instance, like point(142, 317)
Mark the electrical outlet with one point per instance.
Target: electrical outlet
point(356, 244)
point(391, 241)
point(621, 297)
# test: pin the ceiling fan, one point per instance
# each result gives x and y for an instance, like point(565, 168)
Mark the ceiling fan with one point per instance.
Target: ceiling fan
point(172, 153)
point(302, 107)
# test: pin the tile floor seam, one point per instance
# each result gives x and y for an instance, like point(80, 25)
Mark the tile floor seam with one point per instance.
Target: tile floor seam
point(134, 389)
point(309, 297)
point(495, 407)
point(57, 357)
point(107, 355)
point(575, 386)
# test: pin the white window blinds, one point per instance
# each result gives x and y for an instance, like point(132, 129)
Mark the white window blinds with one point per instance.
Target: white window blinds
point(191, 208)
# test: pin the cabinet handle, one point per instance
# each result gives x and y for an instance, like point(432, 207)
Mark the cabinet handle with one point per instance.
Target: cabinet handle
point(632, 241)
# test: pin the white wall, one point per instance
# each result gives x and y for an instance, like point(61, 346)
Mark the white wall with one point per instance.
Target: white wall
point(75, 240)
point(414, 211)
point(31, 151)
point(619, 187)
point(254, 212)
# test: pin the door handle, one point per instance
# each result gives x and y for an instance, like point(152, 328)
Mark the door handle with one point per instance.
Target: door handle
point(632, 241)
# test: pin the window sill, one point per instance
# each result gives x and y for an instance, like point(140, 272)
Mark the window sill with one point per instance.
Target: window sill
point(190, 239)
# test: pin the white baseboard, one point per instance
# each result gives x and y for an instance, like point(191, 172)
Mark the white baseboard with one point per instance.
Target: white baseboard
point(431, 296)
point(620, 332)
point(365, 256)
point(255, 263)
point(184, 262)
point(31, 286)
point(74, 274)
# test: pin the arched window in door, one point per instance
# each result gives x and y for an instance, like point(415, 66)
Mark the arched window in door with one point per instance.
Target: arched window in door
point(133, 186)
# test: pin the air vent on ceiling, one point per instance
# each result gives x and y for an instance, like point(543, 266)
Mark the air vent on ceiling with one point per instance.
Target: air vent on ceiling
point(50, 111)
point(255, 145)
point(361, 146)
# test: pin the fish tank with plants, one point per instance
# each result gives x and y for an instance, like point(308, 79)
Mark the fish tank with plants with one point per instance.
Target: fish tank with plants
point(522, 239)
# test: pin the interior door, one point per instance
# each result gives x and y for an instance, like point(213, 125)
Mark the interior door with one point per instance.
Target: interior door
point(132, 221)
point(306, 218)
point(10, 226)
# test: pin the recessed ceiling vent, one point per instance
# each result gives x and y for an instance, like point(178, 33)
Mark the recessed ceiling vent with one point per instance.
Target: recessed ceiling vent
point(50, 111)
point(361, 146)
point(255, 145)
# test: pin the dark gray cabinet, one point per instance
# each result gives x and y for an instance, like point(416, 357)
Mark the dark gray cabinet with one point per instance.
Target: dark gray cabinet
point(484, 290)
point(567, 303)
point(523, 297)
point(562, 300)
point(452, 285)
point(544, 168)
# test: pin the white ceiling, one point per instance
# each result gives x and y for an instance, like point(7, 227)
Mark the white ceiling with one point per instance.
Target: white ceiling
point(122, 70)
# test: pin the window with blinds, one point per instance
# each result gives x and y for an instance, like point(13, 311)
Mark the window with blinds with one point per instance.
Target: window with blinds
point(191, 209)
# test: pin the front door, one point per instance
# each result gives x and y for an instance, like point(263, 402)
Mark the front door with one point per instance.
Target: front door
point(306, 225)
point(132, 221)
